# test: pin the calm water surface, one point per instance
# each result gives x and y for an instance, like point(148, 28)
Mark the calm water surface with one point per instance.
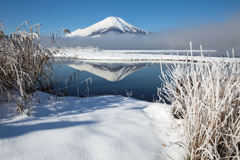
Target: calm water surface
point(81, 78)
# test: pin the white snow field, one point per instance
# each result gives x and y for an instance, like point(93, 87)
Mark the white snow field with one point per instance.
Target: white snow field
point(94, 54)
point(95, 128)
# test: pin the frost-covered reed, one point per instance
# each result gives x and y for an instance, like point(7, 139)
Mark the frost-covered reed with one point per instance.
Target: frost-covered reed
point(22, 62)
point(206, 96)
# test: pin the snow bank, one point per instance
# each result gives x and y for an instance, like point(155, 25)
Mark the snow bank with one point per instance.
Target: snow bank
point(168, 129)
point(96, 128)
point(93, 54)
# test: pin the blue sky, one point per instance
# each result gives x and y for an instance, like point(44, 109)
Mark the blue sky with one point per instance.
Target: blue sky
point(152, 15)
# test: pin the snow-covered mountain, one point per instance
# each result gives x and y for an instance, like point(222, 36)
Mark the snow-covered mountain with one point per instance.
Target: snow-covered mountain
point(109, 24)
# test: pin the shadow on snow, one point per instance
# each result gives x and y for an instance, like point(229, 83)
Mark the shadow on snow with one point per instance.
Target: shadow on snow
point(60, 109)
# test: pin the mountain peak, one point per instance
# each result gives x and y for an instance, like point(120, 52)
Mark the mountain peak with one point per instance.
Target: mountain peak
point(113, 19)
point(109, 24)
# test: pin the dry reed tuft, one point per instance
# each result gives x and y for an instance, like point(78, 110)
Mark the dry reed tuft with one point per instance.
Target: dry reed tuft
point(206, 95)
point(22, 62)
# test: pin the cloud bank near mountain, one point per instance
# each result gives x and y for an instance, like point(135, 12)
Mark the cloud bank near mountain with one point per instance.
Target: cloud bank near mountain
point(221, 36)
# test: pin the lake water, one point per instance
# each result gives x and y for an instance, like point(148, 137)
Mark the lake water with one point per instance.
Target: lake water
point(81, 78)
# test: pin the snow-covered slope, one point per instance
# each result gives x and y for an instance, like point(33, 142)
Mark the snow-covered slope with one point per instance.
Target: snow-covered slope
point(93, 128)
point(109, 24)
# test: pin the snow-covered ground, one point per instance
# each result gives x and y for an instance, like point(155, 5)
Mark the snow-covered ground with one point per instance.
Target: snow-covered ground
point(94, 54)
point(95, 128)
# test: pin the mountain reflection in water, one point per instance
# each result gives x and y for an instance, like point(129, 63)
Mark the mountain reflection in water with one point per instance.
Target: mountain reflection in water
point(138, 80)
point(109, 71)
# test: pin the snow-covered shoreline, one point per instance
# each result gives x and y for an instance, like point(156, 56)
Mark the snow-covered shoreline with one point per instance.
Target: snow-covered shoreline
point(106, 127)
point(94, 54)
